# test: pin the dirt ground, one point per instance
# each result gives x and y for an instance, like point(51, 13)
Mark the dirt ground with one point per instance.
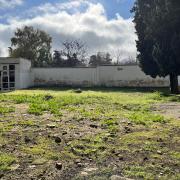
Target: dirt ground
point(171, 109)
point(76, 147)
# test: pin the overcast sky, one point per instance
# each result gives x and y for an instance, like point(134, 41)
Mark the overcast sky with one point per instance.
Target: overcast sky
point(104, 25)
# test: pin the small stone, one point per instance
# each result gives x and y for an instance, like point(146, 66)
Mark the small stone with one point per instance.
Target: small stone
point(79, 164)
point(121, 158)
point(145, 158)
point(64, 132)
point(14, 167)
point(159, 152)
point(39, 161)
point(116, 177)
point(1, 175)
point(32, 166)
point(78, 91)
point(160, 140)
point(58, 165)
point(57, 139)
point(90, 169)
point(77, 161)
point(27, 139)
point(93, 126)
point(113, 151)
point(52, 126)
point(4, 146)
point(84, 174)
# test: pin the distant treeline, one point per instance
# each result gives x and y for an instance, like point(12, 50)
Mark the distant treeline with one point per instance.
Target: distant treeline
point(36, 45)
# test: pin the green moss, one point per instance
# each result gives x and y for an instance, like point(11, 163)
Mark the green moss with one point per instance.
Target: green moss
point(175, 155)
point(6, 160)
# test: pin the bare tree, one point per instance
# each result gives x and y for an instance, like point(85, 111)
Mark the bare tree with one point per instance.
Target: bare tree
point(130, 60)
point(123, 58)
point(75, 52)
point(118, 56)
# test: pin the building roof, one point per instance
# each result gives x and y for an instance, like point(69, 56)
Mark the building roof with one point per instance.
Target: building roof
point(9, 60)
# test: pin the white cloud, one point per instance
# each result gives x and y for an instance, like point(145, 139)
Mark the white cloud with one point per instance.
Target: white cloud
point(72, 5)
point(91, 26)
point(10, 3)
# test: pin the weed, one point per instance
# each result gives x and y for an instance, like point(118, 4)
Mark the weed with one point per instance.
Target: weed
point(4, 110)
point(37, 109)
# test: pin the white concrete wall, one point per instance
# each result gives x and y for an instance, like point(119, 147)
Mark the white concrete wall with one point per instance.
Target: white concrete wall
point(65, 76)
point(109, 76)
point(128, 76)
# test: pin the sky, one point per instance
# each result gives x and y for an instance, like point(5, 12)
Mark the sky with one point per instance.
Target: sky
point(103, 25)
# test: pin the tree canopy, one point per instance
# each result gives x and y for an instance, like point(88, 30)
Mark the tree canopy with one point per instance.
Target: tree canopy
point(32, 44)
point(157, 25)
point(73, 53)
point(100, 58)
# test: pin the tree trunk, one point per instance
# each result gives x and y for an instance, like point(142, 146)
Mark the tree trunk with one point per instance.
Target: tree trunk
point(174, 84)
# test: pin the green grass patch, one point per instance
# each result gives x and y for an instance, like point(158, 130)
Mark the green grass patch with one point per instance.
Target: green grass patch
point(37, 109)
point(138, 172)
point(43, 149)
point(6, 161)
point(146, 118)
point(5, 110)
point(175, 155)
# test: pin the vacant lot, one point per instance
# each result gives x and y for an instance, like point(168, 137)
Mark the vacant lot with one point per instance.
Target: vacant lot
point(94, 134)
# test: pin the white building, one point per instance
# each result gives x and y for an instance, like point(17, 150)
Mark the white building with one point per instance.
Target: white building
point(18, 74)
point(15, 73)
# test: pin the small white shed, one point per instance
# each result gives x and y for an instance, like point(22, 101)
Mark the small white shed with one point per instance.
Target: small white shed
point(14, 73)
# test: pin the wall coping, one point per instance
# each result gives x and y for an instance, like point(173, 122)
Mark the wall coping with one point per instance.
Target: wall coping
point(85, 67)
